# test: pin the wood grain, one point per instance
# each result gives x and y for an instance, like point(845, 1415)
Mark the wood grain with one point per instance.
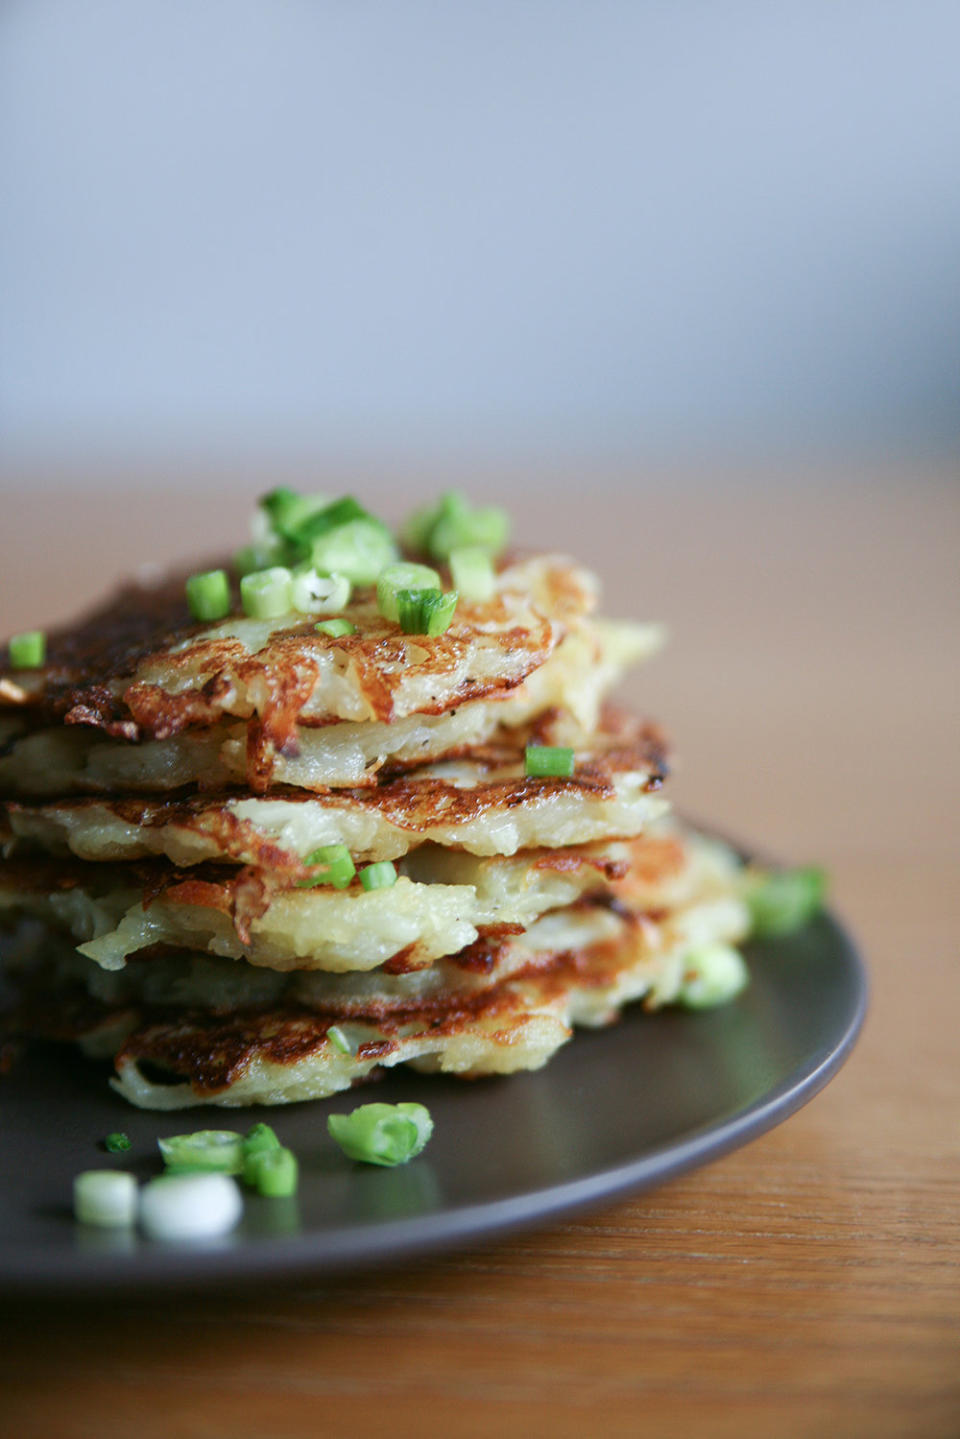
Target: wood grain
point(808, 1285)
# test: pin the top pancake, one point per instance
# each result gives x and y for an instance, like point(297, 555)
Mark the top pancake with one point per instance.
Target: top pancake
point(140, 668)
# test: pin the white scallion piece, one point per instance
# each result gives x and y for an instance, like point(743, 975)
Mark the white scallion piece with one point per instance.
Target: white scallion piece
point(317, 594)
point(105, 1197)
point(190, 1206)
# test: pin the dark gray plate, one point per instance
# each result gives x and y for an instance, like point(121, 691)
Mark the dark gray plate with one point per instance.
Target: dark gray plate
point(617, 1110)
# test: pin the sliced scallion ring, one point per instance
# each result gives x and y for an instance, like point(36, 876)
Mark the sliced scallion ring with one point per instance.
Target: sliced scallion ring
point(208, 595)
point(336, 629)
point(287, 511)
point(712, 975)
point(105, 1197)
point(472, 571)
point(359, 549)
point(381, 875)
point(334, 866)
point(426, 612)
point(256, 1141)
point(210, 1150)
point(547, 761)
point(116, 1143)
point(385, 1134)
point(28, 651)
point(458, 525)
point(317, 594)
point(190, 1206)
point(402, 576)
point(782, 901)
point(272, 1172)
point(339, 1040)
point(267, 594)
point(256, 557)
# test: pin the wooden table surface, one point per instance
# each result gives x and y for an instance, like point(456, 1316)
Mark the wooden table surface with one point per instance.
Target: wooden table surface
point(808, 1284)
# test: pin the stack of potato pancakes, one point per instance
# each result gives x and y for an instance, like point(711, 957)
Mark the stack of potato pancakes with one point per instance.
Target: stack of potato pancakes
point(352, 820)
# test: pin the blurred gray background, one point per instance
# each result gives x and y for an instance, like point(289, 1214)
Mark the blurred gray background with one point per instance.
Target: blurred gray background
point(370, 229)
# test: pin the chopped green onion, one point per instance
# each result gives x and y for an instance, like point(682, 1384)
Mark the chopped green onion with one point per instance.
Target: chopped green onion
point(712, 975)
point(416, 529)
point(548, 761)
point(287, 512)
point(378, 876)
point(208, 595)
point(384, 1134)
point(451, 524)
point(260, 1136)
point(116, 1143)
point(267, 594)
point(402, 576)
point(358, 549)
point(335, 865)
point(105, 1197)
point(336, 629)
point(426, 612)
point(209, 1150)
point(28, 651)
point(782, 901)
point(258, 1140)
point(278, 503)
point(256, 557)
point(473, 575)
point(319, 522)
point(272, 1172)
point(317, 594)
point(458, 525)
point(338, 1039)
point(190, 1206)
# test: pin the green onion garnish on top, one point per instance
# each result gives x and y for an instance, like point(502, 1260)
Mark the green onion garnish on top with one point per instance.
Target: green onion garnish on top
point(781, 901)
point(381, 875)
point(287, 511)
point(28, 651)
point(547, 761)
point(315, 594)
point(208, 1150)
point(472, 571)
point(208, 595)
point(267, 594)
point(452, 524)
point(334, 865)
point(318, 522)
point(116, 1143)
point(385, 1134)
point(256, 557)
point(358, 549)
point(402, 576)
point(336, 629)
point(425, 612)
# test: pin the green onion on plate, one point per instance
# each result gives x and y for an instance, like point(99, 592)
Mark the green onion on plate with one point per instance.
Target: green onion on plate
point(385, 1134)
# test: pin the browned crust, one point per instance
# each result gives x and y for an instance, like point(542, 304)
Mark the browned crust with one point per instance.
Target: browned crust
point(412, 802)
point(213, 1051)
point(91, 674)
